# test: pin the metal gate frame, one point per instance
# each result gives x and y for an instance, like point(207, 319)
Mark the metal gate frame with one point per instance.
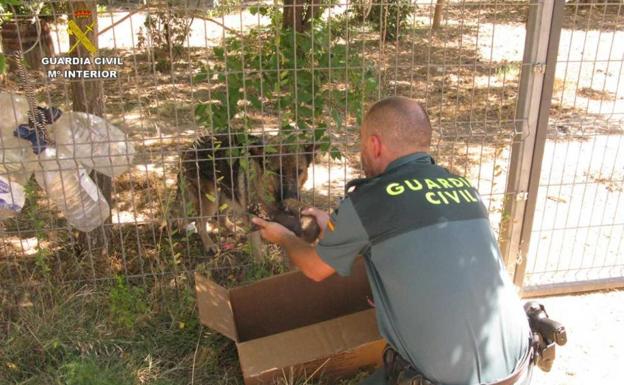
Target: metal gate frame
point(544, 26)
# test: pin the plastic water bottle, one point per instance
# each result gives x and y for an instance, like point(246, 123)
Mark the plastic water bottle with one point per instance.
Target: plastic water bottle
point(15, 154)
point(17, 160)
point(94, 142)
point(13, 112)
point(69, 186)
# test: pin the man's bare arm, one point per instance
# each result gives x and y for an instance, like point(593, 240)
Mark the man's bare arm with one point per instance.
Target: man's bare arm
point(303, 255)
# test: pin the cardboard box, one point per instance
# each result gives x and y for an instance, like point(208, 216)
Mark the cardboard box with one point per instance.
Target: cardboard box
point(288, 324)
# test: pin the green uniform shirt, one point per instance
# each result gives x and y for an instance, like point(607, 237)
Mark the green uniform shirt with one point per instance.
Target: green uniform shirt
point(443, 298)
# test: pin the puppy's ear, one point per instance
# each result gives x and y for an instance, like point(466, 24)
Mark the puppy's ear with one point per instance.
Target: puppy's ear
point(309, 151)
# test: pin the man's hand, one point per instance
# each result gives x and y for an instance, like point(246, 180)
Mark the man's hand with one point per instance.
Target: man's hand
point(322, 218)
point(272, 231)
point(302, 254)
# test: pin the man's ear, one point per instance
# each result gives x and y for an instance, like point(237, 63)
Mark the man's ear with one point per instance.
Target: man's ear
point(376, 145)
point(309, 151)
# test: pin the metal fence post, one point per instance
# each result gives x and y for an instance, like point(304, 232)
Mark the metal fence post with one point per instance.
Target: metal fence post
point(534, 99)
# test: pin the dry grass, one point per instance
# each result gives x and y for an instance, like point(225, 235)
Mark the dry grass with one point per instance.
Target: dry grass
point(595, 94)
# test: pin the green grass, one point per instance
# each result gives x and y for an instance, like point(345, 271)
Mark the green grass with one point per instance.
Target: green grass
point(89, 370)
point(114, 334)
point(145, 332)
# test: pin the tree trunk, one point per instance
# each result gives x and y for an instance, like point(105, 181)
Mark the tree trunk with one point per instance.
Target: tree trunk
point(294, 16)
point(87, 96)
point(438, 15)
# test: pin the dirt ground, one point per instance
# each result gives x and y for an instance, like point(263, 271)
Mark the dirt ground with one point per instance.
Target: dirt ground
point(578, 227)
point(595, 350)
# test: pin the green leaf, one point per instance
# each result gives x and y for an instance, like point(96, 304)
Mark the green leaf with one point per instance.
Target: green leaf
point(219, 119)
point(242, 138)
point(219, 52)
point(255, 101)
point(335, 154)
point(337, 118)
point(318, 133)
point(2, 63)
point(200, 77)
point(234, 64)
point(302, 125)
point(286, 101)
point(201, 109)
point(244, 163)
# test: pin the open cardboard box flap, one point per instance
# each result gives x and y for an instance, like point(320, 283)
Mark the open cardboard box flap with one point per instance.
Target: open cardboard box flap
point(215, 308)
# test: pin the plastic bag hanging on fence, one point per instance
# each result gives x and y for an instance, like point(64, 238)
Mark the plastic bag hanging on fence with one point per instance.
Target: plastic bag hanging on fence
point(93, 142)
point(71, 189)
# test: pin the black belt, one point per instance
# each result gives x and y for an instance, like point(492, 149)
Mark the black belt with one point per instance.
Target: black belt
point(400, 372)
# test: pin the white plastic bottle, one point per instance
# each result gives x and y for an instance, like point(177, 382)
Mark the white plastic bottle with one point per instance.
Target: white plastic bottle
point(94, 142)
point(13, 112)
point(17, 160)
point(69, 186)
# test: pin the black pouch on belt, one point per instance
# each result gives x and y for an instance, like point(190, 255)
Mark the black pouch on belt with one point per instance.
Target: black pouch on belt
point(546, 334)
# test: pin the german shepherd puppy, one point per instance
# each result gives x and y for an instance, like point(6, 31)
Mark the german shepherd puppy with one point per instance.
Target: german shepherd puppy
point(219, 176)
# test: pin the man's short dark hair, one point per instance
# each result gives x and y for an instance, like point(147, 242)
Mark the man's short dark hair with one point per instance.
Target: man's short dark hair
point(400, 122)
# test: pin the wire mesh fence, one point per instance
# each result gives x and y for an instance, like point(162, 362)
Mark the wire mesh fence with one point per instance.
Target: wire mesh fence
point(577, 231)
point(232, 107)
point(237, 69)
